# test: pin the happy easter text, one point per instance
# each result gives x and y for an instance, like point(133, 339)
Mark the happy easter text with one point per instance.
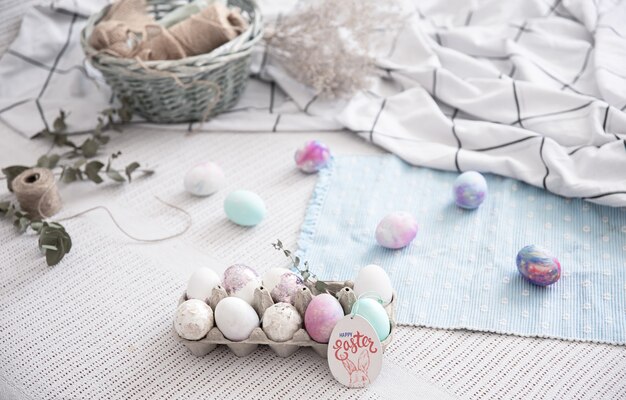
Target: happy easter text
point(352, 344)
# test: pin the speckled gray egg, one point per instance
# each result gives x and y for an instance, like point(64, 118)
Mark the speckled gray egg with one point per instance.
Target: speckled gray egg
point(281, 321)
point(193, 320)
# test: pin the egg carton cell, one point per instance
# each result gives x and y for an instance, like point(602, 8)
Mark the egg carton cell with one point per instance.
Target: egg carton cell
point(263, 300)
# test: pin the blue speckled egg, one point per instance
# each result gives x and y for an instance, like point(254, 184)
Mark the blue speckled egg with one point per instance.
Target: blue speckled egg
point(470, 190)
point(375, 314)
point(244, 208)
point(538, 266)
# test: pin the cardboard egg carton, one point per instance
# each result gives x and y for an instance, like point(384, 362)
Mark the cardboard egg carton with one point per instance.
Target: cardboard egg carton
point(262, 300)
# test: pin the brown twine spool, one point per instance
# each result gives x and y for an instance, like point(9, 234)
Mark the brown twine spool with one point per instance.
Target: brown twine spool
point(37, 192)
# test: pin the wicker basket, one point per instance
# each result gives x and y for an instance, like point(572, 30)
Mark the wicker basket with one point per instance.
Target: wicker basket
point(190, 89)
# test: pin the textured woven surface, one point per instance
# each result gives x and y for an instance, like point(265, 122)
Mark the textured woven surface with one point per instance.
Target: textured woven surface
point(191, 89)
point(460, 270)
point(119, 355)
point(98, 325)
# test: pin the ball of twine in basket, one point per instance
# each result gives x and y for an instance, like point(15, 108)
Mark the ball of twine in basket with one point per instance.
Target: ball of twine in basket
point(36, 191)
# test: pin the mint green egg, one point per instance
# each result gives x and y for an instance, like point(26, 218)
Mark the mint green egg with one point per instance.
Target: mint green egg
point(244, 208)
point(375, 314)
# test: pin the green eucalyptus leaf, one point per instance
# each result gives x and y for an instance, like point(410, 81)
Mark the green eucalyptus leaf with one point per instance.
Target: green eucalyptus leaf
point(125, 114)
point(54, 257)
point(36, 226)
point(69, 174)
point(287, 253)
point(296, 262)
point(113, 174)
point(23, 224)
point(103, 139)
point(55, 225)
point(89, 148)
point(92, 169)
point(279, 243)
point(11, 172)
point(59, 124)
point(80, 162)
point(321, 286)
point(4, 206)
point(48, 161)
point(130, 168)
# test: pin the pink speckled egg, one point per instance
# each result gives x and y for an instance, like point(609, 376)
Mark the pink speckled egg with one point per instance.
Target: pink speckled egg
point(321, 316)
point(285, 291)
point(312, 157)
point(240, 281)
point(396, 230)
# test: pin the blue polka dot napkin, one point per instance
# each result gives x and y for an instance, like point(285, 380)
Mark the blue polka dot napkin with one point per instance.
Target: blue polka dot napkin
point(460, 272)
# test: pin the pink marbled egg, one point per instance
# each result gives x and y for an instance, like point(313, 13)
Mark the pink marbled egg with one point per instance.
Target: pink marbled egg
point(321, 316)
point(396, 230)
point(314, 156)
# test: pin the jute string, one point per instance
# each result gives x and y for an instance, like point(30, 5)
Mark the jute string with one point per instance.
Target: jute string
point(37, 192)
point(38, 195)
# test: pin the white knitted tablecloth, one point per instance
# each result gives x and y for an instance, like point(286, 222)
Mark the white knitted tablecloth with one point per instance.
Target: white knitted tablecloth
point(98, 324)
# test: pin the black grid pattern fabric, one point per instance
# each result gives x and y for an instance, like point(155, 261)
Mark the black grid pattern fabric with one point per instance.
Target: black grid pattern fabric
point(534, 90)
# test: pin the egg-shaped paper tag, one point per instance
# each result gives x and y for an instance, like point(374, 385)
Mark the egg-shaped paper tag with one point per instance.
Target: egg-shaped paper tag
point(355, 355)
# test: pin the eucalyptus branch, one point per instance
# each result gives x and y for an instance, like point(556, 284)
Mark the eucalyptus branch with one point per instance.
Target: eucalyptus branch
point(303, 268)
point(74, 164)
point(54, 241)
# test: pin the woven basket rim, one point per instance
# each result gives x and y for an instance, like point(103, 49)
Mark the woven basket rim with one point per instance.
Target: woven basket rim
point(203, 62)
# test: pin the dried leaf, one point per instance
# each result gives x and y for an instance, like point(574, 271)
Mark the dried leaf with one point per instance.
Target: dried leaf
point(23, 223)
point(4, 206)
point(69, 174)
point(59, 124)
point(321, 286)
point(130, 168)
point(89, 148)
point(11, 172)
point(48, 161)
point(113, 174)
point(80, 162)
point(36, 226)
point(92, 169)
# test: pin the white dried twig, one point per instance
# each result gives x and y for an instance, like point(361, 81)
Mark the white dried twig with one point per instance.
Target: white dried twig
point(328, 44)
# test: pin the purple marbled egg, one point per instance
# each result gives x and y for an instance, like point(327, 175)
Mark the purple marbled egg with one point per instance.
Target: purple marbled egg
point(396, 230)
point(538, 265)
point(470, 190)
point(240, 281)
point(321, 316)
point(286, 288)
point(312, 157)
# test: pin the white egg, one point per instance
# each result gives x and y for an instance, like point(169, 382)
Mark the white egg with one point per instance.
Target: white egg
point(373, 280)
point(281, 321)
point(204, 179)
point(235, 318)
point(194, 319)
point(271, 277)
point(201, 283)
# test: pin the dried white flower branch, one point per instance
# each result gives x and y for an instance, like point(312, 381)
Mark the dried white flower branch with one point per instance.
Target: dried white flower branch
point(327, 44)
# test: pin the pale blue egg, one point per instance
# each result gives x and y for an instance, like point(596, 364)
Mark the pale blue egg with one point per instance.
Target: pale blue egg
point(244, 208)
point(375, 314)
